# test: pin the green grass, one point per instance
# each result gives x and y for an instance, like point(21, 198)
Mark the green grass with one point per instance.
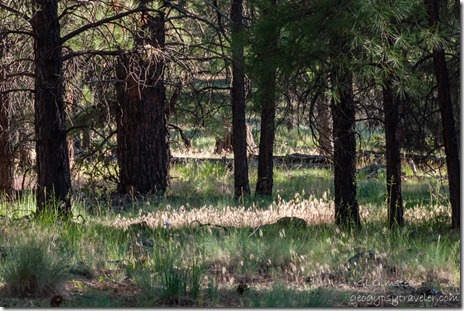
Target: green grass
point(174, 273)
point(32, 268)
point(279, 296)
point(203, 266)
point(296, 140)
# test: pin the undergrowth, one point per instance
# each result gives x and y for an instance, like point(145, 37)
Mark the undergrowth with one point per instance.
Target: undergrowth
point(198, 247)
point(32, 268)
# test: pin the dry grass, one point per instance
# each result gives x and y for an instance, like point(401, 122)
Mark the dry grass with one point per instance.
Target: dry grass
point(424, 253)
point(313, 210)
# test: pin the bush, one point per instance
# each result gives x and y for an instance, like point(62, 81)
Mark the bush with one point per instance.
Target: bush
point(32, 270)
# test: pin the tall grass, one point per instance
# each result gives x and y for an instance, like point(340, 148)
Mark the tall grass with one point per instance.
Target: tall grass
point(174, 276)
point(32, 268)
point(214, 243)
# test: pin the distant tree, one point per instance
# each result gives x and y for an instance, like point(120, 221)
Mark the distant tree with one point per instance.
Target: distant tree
point(239, 131)
point(392, 138)
point(265, 70)
point(6, 114)
point(383, 27)
point(344, 120)
point(324, 127)
point(344, 158)
point(447, 117)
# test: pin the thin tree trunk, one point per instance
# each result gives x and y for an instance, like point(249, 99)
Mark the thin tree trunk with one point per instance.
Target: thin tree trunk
point(70, 140)
point(6, 148)
point(266, 100)
point(266, 143)
point(447, 118)
point(142, 148)
point(324, 127)
point(53, 175)
point(239, 132)
point(291, 118)
point(343, 115)
point(394, 196)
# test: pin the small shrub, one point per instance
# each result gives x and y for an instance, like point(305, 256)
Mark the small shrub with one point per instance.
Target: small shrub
point(32, 270)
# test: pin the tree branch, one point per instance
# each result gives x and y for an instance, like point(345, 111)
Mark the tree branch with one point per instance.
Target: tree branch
point(16, 32)
point(21, 74)
point(104, 21)
point(17, 90)
point(91, 52)
point(76, 127)
point(186, 141)
point(16, 12)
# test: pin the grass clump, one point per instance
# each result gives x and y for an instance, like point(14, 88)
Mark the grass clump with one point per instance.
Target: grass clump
point(174, 281)
point(32, 269)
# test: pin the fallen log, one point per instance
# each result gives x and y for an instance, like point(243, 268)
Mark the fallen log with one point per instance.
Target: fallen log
point(291, 160)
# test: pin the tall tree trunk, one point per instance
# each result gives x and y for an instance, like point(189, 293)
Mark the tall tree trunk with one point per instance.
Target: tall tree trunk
point(6, 147)
point(142, 148)
point(266, 83)
point(53, 176)
point(239, 132)
point(394, 197)
point(447, 118)
point(343, 115)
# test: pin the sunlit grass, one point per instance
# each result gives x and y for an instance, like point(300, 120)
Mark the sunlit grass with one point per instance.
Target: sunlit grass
point(204, 242)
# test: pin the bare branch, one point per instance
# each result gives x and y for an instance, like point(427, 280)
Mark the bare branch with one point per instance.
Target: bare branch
point(16, 12)
point(17, 90)
point(16, 32)
point(21, 74)
point(69, 9)
point(104, 21)
point(91, 52)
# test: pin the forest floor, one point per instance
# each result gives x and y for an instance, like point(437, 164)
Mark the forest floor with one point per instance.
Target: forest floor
point(197, 247)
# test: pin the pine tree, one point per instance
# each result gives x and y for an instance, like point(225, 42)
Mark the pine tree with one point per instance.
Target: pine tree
point(265, 79)
point(239, 133)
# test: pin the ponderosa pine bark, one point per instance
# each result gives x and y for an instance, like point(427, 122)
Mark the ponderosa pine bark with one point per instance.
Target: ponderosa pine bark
point(264, 183)
point(239, 132)
point(447, 118)
point(393, 148)
point(53, 175)
point(142, 147)
point(266, 83)
point(344, 135)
